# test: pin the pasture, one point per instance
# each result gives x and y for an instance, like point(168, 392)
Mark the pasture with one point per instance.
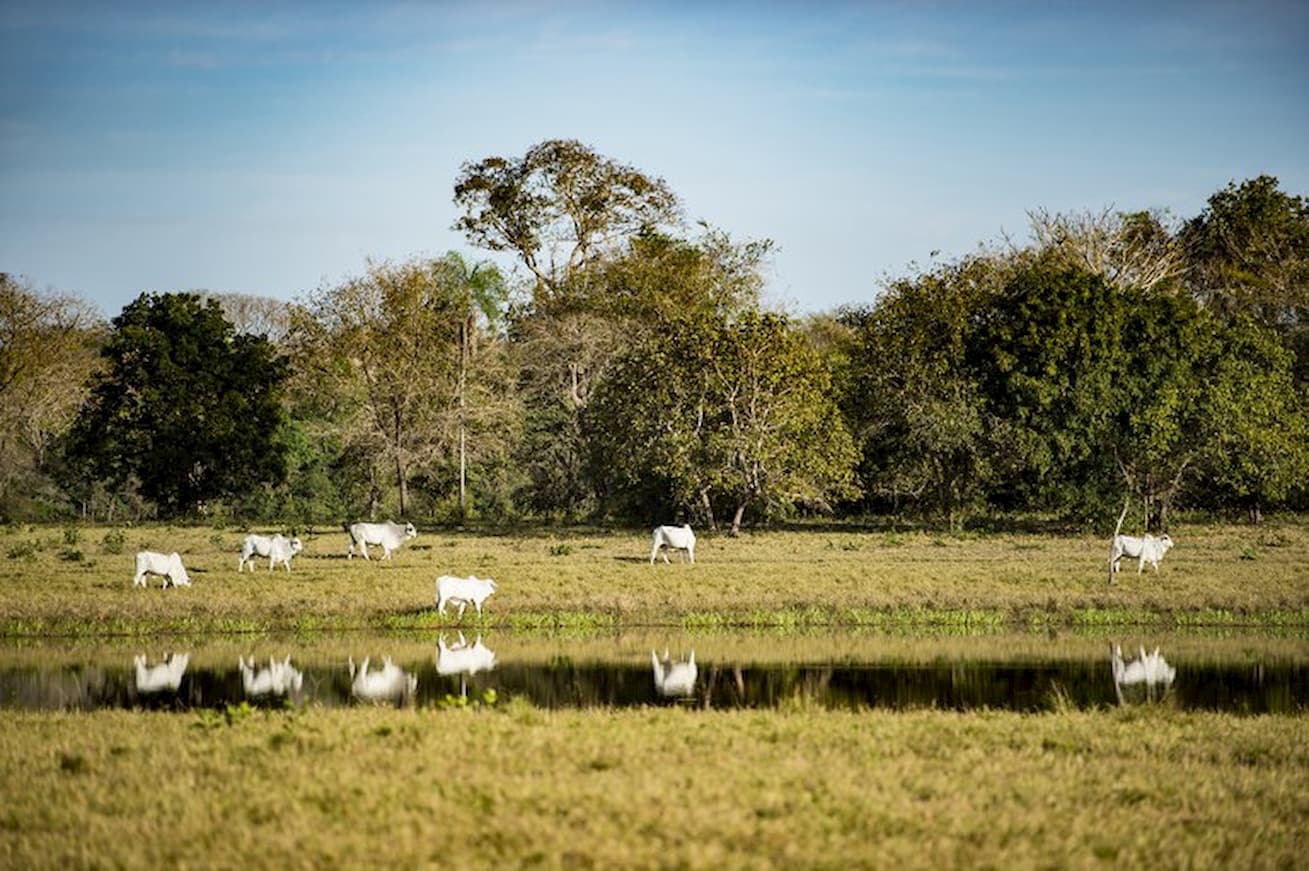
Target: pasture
point(77, 580)
point(475, 783)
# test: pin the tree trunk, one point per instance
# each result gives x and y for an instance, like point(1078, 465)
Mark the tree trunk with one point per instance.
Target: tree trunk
point(403, 483)
point(709, 511)
point(736, 519)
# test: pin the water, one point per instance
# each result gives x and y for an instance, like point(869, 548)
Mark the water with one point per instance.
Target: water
point(1244, 675)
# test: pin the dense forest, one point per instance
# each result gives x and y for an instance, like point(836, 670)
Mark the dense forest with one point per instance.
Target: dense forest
point(627, 369)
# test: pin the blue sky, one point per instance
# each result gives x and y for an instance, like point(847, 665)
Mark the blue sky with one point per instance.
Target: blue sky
point(271, 148)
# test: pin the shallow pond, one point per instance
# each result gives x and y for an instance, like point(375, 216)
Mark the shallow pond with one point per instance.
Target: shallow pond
point(1238, 673)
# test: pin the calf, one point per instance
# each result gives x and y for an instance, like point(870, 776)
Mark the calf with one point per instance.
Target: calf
point(673, 538)
point(463, 590)
point(387, 536)
point(169, 567)
point(276, 550)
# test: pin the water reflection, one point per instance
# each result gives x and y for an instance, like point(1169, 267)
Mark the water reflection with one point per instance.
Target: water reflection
point(674, 678)
point(165, 677)
point(389, 684)
point(624, 674)
point(279, 679)
point(1144, 679)
point(463, 658)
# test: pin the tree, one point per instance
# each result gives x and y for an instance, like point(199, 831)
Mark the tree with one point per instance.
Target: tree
point(1258, 449)
point(403, 368)
point(1247, 254)
point(1128, 250)
point(558, 208)
point(481, 296)
point(734, 412)
point(186, 408)
point(924, 431)
point(48, 349)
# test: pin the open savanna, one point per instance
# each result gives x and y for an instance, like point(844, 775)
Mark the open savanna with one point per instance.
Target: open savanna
point(78, 579)
point(514, 786)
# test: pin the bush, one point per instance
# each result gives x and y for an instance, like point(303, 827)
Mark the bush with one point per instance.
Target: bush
point(114, 541)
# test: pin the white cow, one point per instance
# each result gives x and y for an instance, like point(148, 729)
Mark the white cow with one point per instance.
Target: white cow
point(278, 679)
point(1145, 549)
point(164, 677)
point(387, 536)
point(463, 659)
point(463, 590)
point(673, 538)
point(388, 684)
point(674, 678)
point(276, 550)
point(169, 567)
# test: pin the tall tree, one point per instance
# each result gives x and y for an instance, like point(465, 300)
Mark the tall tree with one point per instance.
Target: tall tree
point(481, 296)
point(1247, 254)
point(186, 407)
point(400, 359)
point(558, 208)
point(48, 349)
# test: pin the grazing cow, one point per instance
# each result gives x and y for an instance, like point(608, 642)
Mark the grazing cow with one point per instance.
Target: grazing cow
point(463, 659)
point(387, 536)
point(164, 677)
point(674, 678)
point(278, 679)
point(462, 590)
point(673, 538)
point(388, 684)
point(169, 567)
point(1146, 549)
point(1148, 669)
point(276, 550)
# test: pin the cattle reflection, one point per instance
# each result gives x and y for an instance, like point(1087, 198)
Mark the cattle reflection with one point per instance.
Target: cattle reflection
point(463, 658)
point(1146, 678)
point(674, 678)
point(164, 677)
point(390, 683)
point(278, 679)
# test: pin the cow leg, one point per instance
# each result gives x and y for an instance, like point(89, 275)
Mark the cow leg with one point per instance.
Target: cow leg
point(462, 606)
point(440, 605)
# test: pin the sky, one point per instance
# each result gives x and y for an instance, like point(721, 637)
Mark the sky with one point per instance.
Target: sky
point(274, 148)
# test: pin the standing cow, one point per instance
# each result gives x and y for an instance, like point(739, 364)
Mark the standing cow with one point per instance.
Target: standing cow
point(387, 536)
point(673, 538)
point(276, 550)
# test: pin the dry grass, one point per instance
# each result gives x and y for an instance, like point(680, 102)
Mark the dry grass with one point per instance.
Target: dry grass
point(652, 788)
point(1229, 575)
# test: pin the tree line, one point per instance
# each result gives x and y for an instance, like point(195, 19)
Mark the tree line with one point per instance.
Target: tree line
point(627, 369)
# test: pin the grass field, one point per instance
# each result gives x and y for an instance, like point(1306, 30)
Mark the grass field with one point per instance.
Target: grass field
point(67, 581)
point(661, 787)
point(518, 787)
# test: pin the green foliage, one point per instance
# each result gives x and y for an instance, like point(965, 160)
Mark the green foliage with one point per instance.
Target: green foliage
point(114, 541)
point(738, 413)
point(186, 408)
point(557, 208)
